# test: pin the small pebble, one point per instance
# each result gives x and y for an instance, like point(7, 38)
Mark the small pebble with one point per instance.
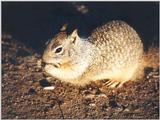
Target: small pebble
point(92, 104)
point(102, 95)
point(127, 110)
point(50, 78)
point(39, 63)
point(31, 91)
point(90, 96)
point(156, 76)
point(148, 76)
point(49, 88)
point(44, 83)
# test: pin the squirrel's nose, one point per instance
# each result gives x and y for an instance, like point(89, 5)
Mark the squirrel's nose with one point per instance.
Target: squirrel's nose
point(43, 64)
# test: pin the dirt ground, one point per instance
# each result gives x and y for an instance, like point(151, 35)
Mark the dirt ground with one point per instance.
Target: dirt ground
point(24, 96)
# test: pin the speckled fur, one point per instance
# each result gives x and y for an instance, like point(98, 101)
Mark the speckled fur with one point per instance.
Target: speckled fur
point(113, 51)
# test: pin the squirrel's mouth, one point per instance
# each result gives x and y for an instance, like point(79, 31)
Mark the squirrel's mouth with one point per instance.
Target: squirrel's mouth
point(57, 65)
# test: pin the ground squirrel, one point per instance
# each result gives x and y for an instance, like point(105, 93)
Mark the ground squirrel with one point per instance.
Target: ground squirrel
point(113, 51)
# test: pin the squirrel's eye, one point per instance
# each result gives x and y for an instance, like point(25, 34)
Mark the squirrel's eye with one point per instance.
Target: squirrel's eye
point(58, 50)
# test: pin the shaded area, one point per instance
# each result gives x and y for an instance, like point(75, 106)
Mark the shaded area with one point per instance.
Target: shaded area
point(35, 22)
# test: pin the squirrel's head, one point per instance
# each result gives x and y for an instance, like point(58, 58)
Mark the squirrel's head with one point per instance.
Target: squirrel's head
point(60, 48)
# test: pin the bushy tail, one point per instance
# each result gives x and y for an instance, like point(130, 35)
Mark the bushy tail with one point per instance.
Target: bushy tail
point(151, 58)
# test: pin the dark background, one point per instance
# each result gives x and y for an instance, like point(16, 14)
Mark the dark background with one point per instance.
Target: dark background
point(33, 23)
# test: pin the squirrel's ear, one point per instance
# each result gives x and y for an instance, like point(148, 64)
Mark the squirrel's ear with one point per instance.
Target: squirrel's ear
point(74, 35)
point(64, 27)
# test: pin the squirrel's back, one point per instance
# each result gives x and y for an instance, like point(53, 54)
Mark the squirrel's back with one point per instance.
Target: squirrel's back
point(117, 42)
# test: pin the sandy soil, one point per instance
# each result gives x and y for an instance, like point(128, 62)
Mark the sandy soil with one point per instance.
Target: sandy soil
point(23, 94)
